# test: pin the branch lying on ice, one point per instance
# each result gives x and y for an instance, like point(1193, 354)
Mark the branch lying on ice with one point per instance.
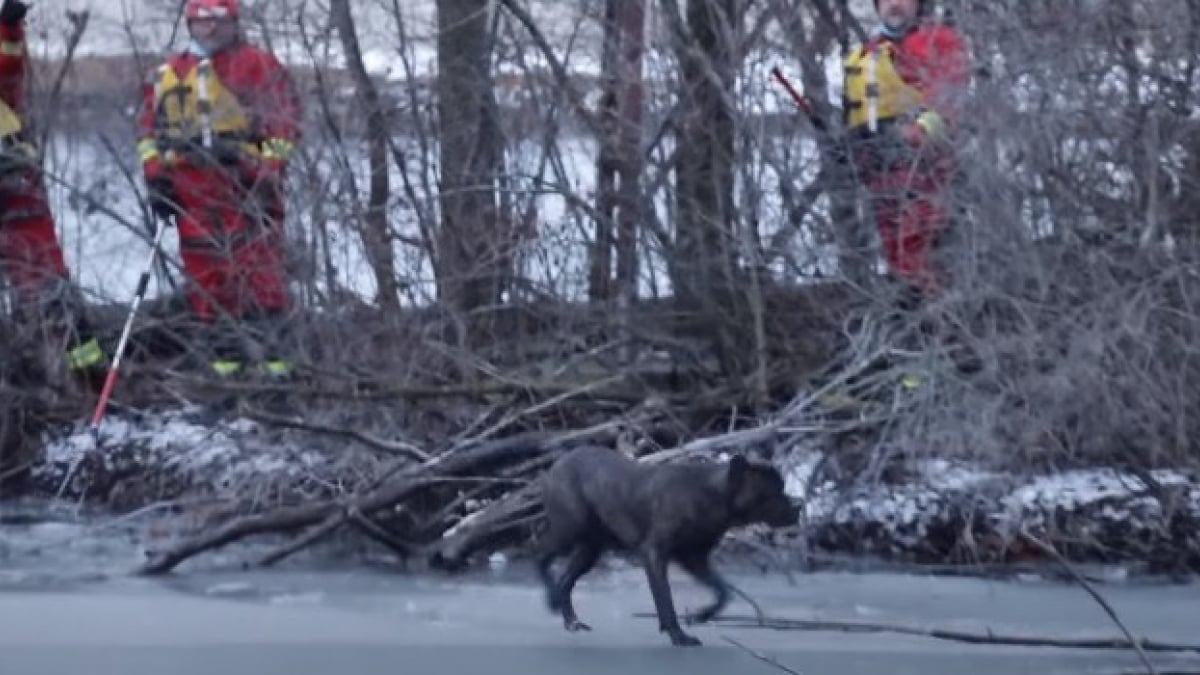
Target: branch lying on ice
point(284, 519)
point(373, 531)
point(312, 536)
point(1112, 613)
point(988, 638)
point(760, 656)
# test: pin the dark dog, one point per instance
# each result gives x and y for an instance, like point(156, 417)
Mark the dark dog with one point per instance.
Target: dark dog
point(597, 499)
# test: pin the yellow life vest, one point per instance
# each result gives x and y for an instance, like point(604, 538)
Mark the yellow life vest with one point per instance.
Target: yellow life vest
point(197, 108)
point(10, 122)
point(874, 90)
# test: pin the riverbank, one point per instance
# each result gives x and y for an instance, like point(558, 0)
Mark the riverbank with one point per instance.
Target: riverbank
point(189, 471)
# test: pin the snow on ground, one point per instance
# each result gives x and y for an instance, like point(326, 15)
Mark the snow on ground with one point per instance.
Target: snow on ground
point(178, 448)
point(938, 480)
point(959, 495)
point(173, 455)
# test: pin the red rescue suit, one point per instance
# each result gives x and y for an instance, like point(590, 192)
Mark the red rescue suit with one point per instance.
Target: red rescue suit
point(900, 101)
point(30, 253)
point(219, 131)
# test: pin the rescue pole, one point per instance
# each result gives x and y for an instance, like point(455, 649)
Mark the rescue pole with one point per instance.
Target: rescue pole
point(111, 379)
point(800, 100)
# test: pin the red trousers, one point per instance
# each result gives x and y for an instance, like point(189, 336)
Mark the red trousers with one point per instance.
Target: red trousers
point(30, 254)
point(231, 244)
point(911, 213)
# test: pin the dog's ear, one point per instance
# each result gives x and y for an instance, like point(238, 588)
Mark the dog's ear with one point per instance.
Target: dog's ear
point(738, 467)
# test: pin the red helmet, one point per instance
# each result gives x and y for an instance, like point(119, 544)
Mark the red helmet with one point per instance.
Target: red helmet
point(211, 9)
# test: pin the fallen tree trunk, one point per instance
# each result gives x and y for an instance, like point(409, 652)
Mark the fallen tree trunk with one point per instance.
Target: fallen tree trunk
point(279, 520)
point(514, 510)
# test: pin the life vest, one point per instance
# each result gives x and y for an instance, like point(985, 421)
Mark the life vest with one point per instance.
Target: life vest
point(874, 90)
point(16, 153)
point(10, 123)
point(197, 110)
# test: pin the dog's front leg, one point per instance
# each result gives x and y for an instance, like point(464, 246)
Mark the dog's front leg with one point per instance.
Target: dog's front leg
point(700, 567)
point(660, 590)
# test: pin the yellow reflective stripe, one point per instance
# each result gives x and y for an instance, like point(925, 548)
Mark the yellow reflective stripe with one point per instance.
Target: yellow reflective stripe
point(10, 121)
point(147, 149)
point(225, 367)
point(277, 148)
point(277, 367)
point(86, 355)
point(12, 48)
point(932, 123)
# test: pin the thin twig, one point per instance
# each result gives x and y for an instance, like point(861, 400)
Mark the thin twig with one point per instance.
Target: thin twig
point(394, 447)
point(758, 613)
point(315, 534)
point(988, 638)
point(16, 470)
point(548, 403)
point(1091, 590)
point(374, 531)
point(760, 656)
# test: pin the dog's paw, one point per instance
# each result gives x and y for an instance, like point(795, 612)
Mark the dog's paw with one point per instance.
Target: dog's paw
point(575, 626)
point(703, 616)
point(681, 639)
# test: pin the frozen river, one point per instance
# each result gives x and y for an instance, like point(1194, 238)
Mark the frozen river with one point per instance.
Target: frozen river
point(67, 606)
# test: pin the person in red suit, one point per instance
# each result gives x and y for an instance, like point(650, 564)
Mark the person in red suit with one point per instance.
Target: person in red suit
point(30, 254)
point(903, 89)
point(218, 124)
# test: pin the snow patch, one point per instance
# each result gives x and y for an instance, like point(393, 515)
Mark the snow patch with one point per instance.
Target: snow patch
point(171, 448)
point(799, 471)
point(949, 504)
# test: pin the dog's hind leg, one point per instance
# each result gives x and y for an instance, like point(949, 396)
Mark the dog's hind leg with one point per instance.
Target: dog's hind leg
point(566, 524)
point(544, 561)
point(552, 546)
point(655, 564)
point(700, 567)
point(582, 560)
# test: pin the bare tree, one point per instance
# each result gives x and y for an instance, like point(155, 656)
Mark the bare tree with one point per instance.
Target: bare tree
point(378, 229)
point(471, 236)
point(619, 160)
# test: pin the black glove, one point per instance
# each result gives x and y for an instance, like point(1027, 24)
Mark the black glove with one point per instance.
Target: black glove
point(12, 12)
point(163, 200)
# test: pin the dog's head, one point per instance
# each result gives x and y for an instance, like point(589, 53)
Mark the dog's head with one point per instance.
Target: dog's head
point(756, 494)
